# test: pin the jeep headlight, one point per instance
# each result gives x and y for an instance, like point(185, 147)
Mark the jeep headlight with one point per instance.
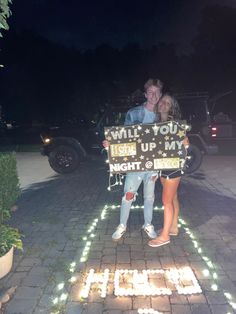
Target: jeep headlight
point(47, 140)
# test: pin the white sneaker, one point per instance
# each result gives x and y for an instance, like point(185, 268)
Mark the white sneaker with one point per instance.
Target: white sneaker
point(120, 230)
point(149, 229)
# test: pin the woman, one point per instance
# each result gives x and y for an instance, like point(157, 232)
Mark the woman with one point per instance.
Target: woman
point(168, 109)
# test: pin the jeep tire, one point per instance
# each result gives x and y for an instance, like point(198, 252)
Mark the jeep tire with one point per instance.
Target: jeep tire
point(64, 159)
point(195, 159)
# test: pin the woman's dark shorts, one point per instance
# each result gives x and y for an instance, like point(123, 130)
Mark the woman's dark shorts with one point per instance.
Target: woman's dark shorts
point(171, 174)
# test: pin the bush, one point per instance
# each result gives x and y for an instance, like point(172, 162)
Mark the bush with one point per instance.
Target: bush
point(9, 237)
point(9, 192)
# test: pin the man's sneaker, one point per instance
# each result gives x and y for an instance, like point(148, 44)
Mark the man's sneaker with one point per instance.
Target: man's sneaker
point(120, 230)
point(149, 229)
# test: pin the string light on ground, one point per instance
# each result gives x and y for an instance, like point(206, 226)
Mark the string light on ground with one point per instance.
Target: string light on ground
point(210, 272)
point(73, 279)
point(148, 311)
point(94, 277)
point(60, 300)
point(233, 304)
point(104, 213)
point(214, 275)
point(55, 301)
point(214, 287)
point(60, 286)
point(63, 296)
point(128, 282)
point(206, 272)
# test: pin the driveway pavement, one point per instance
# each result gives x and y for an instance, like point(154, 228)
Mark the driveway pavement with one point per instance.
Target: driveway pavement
point(70, 265)
point(33, 168)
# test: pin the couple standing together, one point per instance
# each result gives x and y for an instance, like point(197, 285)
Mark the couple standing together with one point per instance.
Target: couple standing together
point(157, 108)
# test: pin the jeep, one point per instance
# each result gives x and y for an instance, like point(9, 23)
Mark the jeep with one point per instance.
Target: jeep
point(66, 145)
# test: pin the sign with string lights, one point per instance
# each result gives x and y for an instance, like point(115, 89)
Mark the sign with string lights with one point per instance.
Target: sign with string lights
point(146, 147)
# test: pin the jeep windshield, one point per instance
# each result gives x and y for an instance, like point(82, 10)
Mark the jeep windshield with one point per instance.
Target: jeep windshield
point(114, 115)
point(194, 109)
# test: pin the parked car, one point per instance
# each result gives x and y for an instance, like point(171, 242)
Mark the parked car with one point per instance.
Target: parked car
point(66, 145)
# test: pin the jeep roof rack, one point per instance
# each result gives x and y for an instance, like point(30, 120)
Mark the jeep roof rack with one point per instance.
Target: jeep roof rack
point(192, 95)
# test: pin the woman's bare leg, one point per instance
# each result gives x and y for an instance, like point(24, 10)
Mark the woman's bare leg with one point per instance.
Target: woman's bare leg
point(174, 226)
point(169, 192)
point(176, 207)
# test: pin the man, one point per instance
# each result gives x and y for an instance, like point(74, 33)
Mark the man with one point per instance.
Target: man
point(144, 114)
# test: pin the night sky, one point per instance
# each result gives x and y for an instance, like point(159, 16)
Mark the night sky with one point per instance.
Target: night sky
point(189, 44)
point(86, 25)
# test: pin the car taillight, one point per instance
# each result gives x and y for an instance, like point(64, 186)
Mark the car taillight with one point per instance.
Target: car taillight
point(213, 131)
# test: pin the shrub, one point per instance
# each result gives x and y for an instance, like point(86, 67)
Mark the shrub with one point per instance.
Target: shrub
point(9, 192)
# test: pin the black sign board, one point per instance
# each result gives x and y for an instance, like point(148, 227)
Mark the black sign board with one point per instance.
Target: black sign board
point(146, 147)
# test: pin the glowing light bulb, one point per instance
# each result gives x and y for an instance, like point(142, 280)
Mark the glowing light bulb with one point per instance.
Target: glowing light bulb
point(206, 272)
point(73, 279)
point(63, 297)
point(233, 305)
point(60, 286)
point(228, 295)
point(209, 263)
point(55, 301)
point(215, 275)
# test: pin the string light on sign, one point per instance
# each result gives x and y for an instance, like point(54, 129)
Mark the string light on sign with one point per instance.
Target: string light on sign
point(114, 180)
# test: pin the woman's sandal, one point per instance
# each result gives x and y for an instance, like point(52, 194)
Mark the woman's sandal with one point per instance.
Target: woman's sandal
point(157, 242)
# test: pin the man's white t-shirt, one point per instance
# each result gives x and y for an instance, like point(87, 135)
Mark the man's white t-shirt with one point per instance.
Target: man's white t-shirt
point(150, 116)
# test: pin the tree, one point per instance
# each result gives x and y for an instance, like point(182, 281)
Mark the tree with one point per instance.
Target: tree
point(5, 12)
point(215, 49)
